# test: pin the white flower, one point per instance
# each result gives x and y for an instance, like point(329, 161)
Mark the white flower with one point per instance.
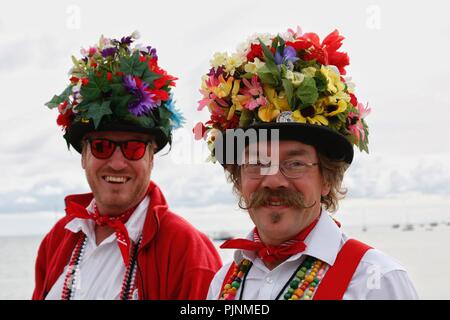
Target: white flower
point(219, 59)
point(135, 35)
point(253, 67)
point(309, 71)
point(295, 77)
point(233, 62)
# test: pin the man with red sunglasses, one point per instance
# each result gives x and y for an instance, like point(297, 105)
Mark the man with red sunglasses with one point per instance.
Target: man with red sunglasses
point(121, 241)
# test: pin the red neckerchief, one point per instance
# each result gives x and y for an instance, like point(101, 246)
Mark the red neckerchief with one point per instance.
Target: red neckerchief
point(117, 223)
point(269, 253)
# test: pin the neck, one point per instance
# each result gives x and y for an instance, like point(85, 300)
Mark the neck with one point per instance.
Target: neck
point(115, 211)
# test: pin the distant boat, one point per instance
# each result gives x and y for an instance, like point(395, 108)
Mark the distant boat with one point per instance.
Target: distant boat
point(408, 227)
point(221, 235)
point(433, 224)
point(395, 226)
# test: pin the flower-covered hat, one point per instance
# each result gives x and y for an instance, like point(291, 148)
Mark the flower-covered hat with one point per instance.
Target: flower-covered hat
point(291, 82)
point(115, 87)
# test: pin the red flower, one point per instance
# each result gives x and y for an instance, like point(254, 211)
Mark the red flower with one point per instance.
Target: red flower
point(353, 99)
point(142, 59)
point(255, 52)
point(159, 94)
point(220, 122)
point(84, 81)
point(65, 119)
point(119, 73)
point(199, 131)
point(326, 52)
point(74, 79)
point(109, 76)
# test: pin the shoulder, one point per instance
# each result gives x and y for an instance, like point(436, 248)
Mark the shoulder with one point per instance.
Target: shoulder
point(55, 235)
point(217, 281)
point(376, 259)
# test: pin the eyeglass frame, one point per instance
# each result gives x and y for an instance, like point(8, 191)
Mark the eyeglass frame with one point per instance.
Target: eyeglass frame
point(280, 166)
point(119, 144)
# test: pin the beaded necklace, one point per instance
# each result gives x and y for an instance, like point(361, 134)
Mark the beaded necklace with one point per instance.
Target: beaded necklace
point(301, 285)
point(70, 281)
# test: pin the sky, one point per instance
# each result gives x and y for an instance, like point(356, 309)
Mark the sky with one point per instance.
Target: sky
point(398, 60)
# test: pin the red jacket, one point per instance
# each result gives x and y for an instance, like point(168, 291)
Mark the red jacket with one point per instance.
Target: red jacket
point(176, 260)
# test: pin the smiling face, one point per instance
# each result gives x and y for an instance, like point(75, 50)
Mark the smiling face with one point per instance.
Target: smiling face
point(275, 220)
point(117, 183)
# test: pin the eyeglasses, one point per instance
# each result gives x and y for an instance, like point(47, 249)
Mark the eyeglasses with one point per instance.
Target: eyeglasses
point(289, 168)
point(131, 149)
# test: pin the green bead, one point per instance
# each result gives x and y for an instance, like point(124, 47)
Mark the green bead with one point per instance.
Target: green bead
point(287, 296)
point(313, 284)
point(300, 274)
point(304, 269)
point(235, 284)
point(243, 268)
point(290, 290)
point(294, 284)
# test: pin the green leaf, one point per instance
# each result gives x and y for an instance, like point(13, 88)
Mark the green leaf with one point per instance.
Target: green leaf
point(57, 100)
point(246, 118)
point(97, 111)
point(120, 105)
point(132, 65)
point(289, 90)
point(266, 76)
point(321, 81)
point(267, 53)
point(307, 91)
point(96, 86)
point(150, 76)
point(164, 113)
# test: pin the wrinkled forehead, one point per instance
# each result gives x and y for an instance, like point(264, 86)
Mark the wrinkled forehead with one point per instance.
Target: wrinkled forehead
point(275, 151)
point(119, 135)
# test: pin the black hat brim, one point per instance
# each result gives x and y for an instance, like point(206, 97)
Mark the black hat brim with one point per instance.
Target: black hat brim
point(329, 143)
point(78, 130)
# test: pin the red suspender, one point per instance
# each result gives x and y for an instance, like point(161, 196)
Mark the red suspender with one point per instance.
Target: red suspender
point(338, 277)
point(227, 276)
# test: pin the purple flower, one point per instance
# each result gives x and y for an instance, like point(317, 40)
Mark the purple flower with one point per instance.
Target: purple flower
point(126, 40)
point(143, 100)
point(289, 56)
point(152, 52)
point(216, 73)
point(107, 52)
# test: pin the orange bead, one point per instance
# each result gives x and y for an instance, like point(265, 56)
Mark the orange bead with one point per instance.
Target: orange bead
point(299, 292)
point(227, 286)
point(309, 278)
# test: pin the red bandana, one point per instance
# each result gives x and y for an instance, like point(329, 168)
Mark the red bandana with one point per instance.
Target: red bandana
point(117, 223)
point(269, 253)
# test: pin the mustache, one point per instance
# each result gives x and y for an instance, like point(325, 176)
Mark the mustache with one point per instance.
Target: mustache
point(290, 198)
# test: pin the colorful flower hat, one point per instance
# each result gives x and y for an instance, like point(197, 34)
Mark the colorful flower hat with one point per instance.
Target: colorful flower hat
point(115, 87)
point(291, 82)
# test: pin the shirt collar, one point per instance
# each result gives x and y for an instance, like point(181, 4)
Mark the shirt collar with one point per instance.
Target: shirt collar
point(134, 224)
point(322, 243)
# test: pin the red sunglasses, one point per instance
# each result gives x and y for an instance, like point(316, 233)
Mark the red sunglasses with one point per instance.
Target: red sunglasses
point(131, 149)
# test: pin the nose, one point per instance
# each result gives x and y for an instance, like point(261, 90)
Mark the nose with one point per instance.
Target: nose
point(117, 161)
point(274, 178)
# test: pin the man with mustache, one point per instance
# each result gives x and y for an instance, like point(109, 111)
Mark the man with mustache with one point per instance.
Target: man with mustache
point(283, 124)
point(121, 241)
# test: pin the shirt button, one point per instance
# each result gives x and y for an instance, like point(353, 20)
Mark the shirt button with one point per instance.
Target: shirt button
point(269, 280)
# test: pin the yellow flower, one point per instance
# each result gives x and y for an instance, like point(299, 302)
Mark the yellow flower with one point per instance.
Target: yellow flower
point(224, 87)
point(341, 107)
point(279, 101)
point(237, 99)
point(268, 113)
point(335, 84)
point(315, 119)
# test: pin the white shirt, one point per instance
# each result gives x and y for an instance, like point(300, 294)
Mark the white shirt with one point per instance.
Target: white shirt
point(377, 276)
point(101, 269)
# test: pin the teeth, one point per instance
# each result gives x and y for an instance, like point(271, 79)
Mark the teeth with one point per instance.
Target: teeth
point(276, 203)
point(116, 179)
